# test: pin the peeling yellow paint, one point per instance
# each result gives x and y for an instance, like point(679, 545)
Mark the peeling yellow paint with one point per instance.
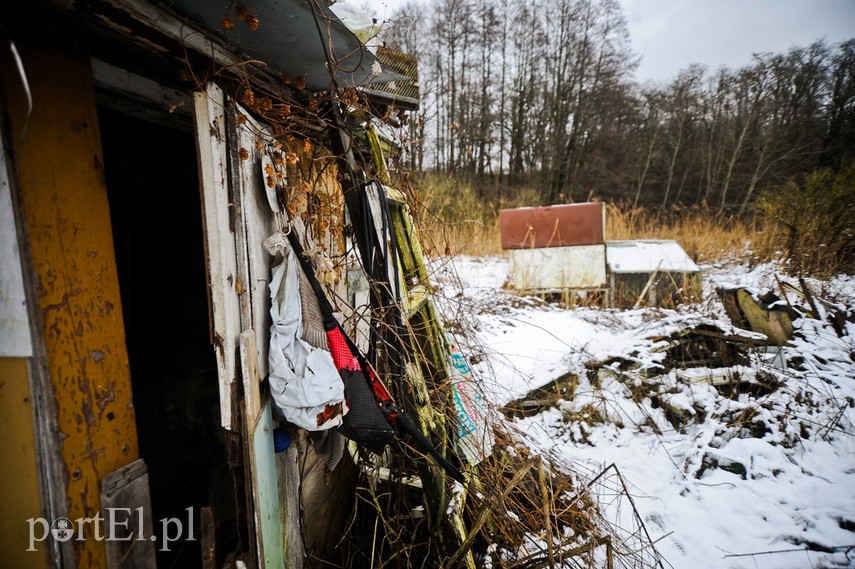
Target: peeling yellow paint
point(68, 217)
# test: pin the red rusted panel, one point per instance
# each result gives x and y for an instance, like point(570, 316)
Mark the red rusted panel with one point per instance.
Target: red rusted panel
point(552, 226)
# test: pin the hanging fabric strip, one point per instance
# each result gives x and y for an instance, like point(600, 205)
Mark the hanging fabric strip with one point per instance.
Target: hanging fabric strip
point(304, 382)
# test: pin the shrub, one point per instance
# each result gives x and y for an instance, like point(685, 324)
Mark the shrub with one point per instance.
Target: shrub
point(456, 218)
point(814, 223)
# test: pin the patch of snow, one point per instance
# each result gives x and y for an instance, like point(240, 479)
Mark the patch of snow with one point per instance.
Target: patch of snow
point(759, 476)
point(646, 256)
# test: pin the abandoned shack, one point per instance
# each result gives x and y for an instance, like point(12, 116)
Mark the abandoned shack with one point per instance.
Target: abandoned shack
point(562, 250)
point(556, 248)
point(150, 151)
point(656, 272)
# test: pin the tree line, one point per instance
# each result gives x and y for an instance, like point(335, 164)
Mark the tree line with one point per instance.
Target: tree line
point(541, 94)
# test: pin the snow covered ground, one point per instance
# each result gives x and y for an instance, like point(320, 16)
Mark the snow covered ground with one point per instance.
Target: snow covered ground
point(757, 477)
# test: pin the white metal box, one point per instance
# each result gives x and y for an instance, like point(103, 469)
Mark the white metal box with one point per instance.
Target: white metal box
point(558, 268)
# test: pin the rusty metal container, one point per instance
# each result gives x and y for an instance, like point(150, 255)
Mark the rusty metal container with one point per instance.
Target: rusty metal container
point(553, 226)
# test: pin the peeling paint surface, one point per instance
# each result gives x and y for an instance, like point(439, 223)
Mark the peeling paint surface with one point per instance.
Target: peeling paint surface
point(65, 203)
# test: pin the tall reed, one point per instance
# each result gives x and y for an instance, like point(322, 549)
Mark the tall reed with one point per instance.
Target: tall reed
point(455, 219)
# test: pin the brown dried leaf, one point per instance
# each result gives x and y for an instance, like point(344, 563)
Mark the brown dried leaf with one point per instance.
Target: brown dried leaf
point(252, 22)
point(248, 97)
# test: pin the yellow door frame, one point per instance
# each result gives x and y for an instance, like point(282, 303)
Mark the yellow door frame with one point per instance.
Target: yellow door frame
point(86, 418)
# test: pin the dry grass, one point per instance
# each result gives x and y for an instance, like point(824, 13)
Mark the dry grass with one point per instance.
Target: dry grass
point(474, 238)
point(454, 220)
point(705, 235)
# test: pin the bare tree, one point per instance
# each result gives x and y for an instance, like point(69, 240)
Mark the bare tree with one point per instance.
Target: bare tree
point(539, 94)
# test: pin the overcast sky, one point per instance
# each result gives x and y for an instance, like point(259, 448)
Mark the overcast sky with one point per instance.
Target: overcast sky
point(671, 34)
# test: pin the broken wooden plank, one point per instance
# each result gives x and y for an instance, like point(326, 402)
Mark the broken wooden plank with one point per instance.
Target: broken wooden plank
point(269, 528)
point(254, 223)
point(220, 251)
point(263, 473)
point(127, 491)
point(731, 337)
point(775, 324)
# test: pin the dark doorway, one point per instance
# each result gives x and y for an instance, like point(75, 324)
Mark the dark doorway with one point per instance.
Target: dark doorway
point(153, 188)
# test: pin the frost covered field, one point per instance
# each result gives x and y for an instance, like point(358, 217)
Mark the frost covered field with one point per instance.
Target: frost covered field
point(758, 475)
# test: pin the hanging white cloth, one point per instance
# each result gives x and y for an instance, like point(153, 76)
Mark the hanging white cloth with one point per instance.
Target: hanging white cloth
point(304, 382)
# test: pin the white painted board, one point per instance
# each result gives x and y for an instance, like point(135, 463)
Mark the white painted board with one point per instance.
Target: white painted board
point(254, 224)
point(558, 268)
point(220, 251)
point(15, 339)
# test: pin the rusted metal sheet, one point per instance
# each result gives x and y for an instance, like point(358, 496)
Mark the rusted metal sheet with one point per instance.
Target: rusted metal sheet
point(64, 199)
point(553, 226)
